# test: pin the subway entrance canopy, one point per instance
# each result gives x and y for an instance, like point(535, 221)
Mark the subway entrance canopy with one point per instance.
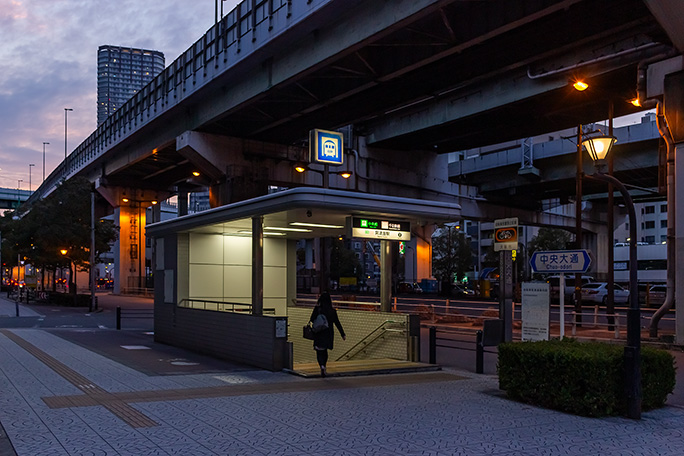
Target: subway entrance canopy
point(307, 213)
point(221, 291)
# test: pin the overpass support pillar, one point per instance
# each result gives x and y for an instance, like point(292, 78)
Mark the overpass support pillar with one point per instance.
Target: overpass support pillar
point(129, 249)
point(422, 261)
point(130, 208)
point(674, 113)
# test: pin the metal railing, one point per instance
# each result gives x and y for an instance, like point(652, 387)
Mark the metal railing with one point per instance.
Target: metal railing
point(221, 306)
point(577, 321)
point(375, 335)
point(339, 304)
point(139, 291)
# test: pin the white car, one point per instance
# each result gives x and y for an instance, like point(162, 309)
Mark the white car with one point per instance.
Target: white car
point(598, 292)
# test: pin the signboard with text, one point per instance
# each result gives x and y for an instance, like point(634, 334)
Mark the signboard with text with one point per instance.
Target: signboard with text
point(535, 311)
point(326, 147)
point(369, 228)
point(560, 261)
point(506, 234)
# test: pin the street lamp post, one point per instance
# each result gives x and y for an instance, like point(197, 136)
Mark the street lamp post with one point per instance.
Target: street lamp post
point(31, 165)
point(66, 110)
point(599, 147)
point(44, 144)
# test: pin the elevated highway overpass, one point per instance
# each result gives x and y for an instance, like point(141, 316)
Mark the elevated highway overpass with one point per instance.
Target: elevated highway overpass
point(537, 175)
point(407, 80)
point(413, 78)
point(11, 198)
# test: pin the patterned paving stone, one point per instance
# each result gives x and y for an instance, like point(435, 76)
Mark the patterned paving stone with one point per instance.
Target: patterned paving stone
point(431, 418)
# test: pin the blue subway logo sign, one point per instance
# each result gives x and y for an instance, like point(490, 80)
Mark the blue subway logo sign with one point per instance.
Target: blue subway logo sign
point(326, 147)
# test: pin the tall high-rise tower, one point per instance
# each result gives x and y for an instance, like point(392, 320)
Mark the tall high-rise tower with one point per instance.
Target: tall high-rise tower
point(121, 73)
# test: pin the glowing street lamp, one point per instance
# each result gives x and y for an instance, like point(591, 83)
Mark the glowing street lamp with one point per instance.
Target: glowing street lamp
point(599, 147)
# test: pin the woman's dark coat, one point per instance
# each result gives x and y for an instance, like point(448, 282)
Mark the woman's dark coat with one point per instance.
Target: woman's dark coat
point(324, 339)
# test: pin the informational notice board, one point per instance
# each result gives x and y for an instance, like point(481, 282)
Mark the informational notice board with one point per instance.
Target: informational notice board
point(535, 311)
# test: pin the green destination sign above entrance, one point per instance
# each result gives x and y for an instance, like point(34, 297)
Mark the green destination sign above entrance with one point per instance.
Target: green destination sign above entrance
point(370, 228)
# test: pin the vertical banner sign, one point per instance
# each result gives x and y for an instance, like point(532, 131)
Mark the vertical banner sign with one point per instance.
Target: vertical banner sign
point(326, 147)
point(506, 234)
point(535, 311)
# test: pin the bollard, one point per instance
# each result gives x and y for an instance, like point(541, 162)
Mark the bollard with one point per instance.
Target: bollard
point(433, 345)
point(118, 317)
point(479, 353)
point(596, 312)
point(16, 305)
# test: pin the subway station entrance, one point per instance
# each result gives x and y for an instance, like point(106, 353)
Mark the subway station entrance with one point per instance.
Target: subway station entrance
point(226, 279)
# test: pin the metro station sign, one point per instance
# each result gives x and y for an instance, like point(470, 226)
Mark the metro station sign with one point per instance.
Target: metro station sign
point(326, 147)
point(369, 228)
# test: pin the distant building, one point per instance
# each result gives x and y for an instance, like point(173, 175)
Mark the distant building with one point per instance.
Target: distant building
point(651, 224)
point(121, 73)
point(199, 201)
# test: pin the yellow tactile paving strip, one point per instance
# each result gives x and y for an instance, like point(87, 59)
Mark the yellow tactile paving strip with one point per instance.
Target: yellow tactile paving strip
point(118, 403)
point(248, 389)
point(94, 395)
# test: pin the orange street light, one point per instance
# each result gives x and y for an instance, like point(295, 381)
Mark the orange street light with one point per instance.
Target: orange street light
point(580, 86)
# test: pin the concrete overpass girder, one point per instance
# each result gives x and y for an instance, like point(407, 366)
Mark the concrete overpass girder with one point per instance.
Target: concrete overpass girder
point(115, 194)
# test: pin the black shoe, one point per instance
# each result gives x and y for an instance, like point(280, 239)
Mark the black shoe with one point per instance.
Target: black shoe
point(322, 371)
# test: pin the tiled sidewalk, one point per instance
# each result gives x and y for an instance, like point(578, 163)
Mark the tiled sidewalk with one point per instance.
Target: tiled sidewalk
point(264, 413)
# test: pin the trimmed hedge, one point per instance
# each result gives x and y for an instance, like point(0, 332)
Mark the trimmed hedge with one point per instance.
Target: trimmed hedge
point(582, 378)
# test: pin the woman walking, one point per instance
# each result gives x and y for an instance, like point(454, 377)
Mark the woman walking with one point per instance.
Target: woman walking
point(323, 339)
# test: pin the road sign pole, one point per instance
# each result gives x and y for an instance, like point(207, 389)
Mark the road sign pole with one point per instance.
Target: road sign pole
point(561, 296)
point(506, 293)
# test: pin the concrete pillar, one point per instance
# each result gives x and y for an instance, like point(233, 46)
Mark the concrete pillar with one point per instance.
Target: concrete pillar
point(674, 113)
point(410, 261)
point(385, 276)
point(423, 260)
point(291, 272)
point(182, 202)
point(257, 265)
point(129, 249)
point(155, 213)
point(679, 244)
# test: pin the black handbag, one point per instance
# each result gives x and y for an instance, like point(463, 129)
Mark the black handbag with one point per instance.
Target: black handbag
point(308, 332)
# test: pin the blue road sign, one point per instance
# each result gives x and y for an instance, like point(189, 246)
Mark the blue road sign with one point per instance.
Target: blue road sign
point(327, 147)
point(560, 261)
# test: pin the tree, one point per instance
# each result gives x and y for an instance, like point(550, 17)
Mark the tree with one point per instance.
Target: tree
point(60, 221)
point(549, 239)
point(452, 256)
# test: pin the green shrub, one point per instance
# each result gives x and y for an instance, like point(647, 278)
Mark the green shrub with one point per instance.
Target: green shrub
point(581, 378)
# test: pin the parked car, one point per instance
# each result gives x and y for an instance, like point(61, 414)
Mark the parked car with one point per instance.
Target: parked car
point(656, 296)
point(598, 292)
point(409, 287)
point(554, 285)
